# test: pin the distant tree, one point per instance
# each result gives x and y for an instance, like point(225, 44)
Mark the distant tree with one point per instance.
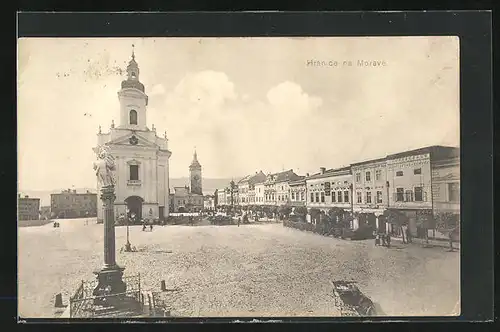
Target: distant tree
point(285, 210)
point(448, 224)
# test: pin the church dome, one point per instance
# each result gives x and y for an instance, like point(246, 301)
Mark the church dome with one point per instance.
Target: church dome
point(130, 84)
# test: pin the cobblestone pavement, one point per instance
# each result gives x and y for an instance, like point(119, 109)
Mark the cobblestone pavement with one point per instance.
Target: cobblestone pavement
point(251, 270)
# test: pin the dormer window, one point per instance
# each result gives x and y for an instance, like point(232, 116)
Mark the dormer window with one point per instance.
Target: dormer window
point(133, 117)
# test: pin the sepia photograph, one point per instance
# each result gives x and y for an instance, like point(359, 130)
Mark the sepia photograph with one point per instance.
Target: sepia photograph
point(238, 177)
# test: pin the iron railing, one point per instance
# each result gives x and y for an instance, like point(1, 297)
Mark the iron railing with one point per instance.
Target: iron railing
point(82, 303)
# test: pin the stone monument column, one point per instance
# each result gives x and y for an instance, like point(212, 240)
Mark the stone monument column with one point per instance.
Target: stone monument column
point(109, 277)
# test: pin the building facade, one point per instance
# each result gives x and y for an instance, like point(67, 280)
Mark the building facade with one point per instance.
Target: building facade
point(369, 186)
point(330, 188)
point(246, 188)
point(221, 197)
point(409, 175)
point(141, 157)
point(28, 208)
point(298, 192)
point(446, 193)
point(276, 189)
point(282, 186)
point(259, 192)
point(209, 202)
point(70, 204)
point(190, 199)
point(186, 201)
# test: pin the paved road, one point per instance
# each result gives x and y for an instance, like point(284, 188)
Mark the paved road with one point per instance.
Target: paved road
point(251, 270)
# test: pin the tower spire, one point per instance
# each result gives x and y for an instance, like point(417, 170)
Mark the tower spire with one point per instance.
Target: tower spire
point(133, 54)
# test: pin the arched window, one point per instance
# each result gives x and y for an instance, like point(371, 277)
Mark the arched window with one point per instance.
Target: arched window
point(133, 117)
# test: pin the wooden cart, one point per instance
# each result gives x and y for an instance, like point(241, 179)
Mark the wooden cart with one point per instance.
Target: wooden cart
point(350, 300)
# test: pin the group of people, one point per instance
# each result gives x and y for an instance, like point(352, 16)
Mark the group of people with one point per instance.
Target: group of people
point(382, 239)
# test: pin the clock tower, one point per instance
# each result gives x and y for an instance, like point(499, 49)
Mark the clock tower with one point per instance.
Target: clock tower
point(195, 175)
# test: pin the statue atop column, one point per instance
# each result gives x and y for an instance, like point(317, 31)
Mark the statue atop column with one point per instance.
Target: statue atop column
point(105, 167)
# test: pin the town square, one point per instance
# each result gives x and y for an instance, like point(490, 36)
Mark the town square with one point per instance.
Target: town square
point(195, 187)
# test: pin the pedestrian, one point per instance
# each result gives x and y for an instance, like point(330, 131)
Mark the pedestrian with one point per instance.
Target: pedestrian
point(388, 240)
point(384, 240)
point(151, 227)
point(377, 239)
point(404, 231)
point(239, 219)
point(408, 235)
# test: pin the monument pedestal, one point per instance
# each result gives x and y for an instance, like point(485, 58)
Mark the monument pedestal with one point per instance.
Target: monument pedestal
point(110, 281)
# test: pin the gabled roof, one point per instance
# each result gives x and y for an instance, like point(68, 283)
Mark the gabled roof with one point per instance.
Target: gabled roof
point(300, 180)
point(284, 176)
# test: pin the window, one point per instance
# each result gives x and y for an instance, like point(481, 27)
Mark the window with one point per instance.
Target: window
point(368, 197)
point(339, 197)
point(134, 172)
point(312, 197)
point(368, 176)
point(399, 173)
point(419, 194)
point(293, 196)
point(399, 194)
point(346, 196)
point(317, 197)
point(133, 117)
point(417, 171)
point(358, 177)
point(302, 196)
point(378, 175)
point(453, 192)
point(379, 197)
point(322, 197)
point(359, 197)
point(334, 197)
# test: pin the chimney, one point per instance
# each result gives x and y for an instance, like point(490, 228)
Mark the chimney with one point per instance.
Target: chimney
point(307, 174)
point(26, 196)
point(322, 169)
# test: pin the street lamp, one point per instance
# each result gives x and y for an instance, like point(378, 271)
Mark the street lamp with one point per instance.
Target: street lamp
point(128, 247)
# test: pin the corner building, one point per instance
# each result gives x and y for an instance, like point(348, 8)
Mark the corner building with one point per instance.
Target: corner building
point(141, 157)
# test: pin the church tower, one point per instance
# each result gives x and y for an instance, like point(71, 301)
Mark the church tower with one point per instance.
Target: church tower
point(141, 156)
point(195, 175)
point(133, 99)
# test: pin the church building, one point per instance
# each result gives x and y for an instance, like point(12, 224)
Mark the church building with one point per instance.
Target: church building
point(189, 198)
point(141, 156)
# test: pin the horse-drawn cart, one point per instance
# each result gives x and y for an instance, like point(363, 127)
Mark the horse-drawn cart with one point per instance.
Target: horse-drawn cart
point(350, 300)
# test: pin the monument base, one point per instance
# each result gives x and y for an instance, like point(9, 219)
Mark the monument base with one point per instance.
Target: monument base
point(109, 282)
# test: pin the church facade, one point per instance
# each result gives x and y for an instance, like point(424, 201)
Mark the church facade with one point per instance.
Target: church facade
point(141, 156)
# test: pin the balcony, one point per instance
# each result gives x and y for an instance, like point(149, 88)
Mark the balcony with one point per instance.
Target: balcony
point(134, 182)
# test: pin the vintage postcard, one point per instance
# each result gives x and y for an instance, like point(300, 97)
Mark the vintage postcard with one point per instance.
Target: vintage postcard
point(238, 177)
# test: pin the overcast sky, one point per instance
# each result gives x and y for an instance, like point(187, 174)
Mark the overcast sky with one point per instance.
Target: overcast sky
point(247, 104)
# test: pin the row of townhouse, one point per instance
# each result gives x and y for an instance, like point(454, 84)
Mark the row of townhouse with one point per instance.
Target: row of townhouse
point(418, 183)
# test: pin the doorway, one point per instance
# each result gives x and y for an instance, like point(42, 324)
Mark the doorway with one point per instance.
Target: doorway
point(161, 211)
point(134, 206)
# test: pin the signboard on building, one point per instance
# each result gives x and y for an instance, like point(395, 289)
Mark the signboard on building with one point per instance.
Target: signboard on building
point(327, 188)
